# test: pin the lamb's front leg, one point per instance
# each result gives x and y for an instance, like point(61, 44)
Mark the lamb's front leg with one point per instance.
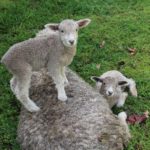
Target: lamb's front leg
point(66, 82)
point(59, 81)
point(122, 99)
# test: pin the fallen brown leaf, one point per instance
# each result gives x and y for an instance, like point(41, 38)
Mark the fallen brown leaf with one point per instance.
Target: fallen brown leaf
point(137, 119)
point(132, 51)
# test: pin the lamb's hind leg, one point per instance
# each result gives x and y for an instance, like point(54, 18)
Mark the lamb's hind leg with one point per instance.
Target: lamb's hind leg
point(13, 83)
point(22, 89)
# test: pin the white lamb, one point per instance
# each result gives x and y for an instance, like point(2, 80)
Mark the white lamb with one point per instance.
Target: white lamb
point(54, 52)
point(112, 85)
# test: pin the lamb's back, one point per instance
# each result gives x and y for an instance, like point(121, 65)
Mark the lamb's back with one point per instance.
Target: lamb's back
point(29, 51)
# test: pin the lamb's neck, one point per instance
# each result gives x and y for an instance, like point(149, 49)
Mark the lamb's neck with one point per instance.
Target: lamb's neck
point(70, 50)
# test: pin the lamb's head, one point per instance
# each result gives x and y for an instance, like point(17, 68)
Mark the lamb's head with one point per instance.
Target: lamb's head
point(108, 86)
point(68, 30)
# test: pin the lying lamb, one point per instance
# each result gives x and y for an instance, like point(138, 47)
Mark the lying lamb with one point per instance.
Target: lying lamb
point(53, 52)
point(85, 123)
point(112, 85)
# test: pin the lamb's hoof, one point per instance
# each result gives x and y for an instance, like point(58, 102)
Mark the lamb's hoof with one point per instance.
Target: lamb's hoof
point(32, 107)
point(12, 86)
point(62, 98)
point(35, 109)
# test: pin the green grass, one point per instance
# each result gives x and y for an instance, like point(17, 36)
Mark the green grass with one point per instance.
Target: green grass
point(120, 23)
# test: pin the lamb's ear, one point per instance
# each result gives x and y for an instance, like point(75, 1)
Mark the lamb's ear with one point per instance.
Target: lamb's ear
point(96, 79)
point(122, 83)
point(52, 26)
point(83, 22)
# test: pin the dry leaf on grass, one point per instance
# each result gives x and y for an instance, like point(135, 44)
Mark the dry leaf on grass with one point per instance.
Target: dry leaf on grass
point(137, 119)
point(132, 51)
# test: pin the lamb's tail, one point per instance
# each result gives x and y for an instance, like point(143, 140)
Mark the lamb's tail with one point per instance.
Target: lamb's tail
point(132, 87)
point(122, 117)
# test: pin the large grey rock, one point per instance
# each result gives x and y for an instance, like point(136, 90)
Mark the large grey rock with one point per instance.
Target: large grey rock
point(84, 122)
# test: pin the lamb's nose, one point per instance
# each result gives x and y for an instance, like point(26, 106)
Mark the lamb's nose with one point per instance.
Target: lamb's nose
point(110, 93)
point(71, 42)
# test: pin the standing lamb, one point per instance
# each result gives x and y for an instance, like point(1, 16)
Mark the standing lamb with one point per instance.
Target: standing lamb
point(53, 52)
point(112, 85)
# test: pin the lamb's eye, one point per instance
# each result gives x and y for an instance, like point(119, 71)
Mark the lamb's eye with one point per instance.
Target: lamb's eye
point(62, 31)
